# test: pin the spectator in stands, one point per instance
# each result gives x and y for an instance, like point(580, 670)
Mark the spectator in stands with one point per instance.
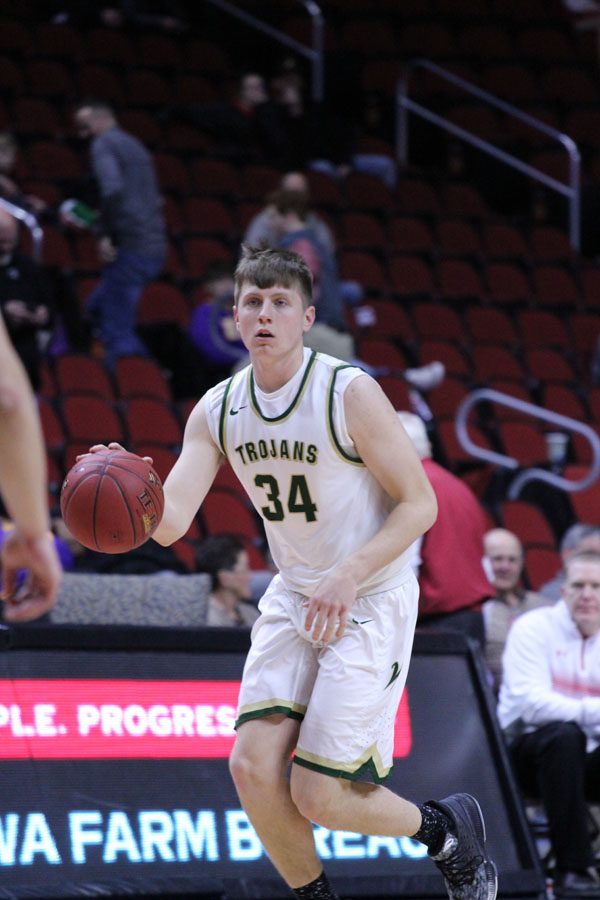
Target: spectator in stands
point(9, 187)
point(248, 129)
point(262, 229)
point(290, 221)
point(504, 560)
point(223, 557)
point(212, 329)
point(25, 300)
point(580, 536)
point(166, 16)
point(448, 559)
point(549, 710)
point(133, 240)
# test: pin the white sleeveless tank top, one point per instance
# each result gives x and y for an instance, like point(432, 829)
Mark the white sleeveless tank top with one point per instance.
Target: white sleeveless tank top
point(298, 464)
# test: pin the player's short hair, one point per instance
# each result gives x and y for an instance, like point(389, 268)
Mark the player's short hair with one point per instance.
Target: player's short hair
point(217, 553)
point(266, 267)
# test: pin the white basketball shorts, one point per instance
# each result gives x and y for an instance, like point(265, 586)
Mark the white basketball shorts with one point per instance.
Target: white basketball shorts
point(345, 694)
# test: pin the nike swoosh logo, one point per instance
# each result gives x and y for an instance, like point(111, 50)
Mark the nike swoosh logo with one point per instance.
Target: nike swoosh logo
point(396, 669)
point(234, 412)
point(361, 622)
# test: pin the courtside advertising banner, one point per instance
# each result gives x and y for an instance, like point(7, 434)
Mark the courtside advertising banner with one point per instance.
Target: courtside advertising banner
point(113, 771)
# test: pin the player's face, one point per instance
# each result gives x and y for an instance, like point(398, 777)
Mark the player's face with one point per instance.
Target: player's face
point(581, 592)
point(271, 321)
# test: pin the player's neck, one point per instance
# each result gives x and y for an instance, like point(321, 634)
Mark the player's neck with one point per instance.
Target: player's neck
point(271, 374)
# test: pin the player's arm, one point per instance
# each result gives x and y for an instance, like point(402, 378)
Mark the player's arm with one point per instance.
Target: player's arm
point(22, 456)
point(388, 453)
point(23, 484)
point(189, 481)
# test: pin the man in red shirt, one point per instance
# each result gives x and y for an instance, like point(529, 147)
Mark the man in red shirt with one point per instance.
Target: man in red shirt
point(448, 559)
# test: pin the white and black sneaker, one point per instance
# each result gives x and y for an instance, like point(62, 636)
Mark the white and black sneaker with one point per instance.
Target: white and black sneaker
point(468, 873)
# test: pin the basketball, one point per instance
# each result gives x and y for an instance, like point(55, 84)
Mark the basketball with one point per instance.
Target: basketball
point(112, 501)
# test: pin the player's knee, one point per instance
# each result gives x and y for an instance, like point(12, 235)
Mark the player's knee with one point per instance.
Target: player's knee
point(311, 796)
point(248, 770)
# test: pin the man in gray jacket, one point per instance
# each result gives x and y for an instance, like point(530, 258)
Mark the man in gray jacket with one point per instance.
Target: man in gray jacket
point(132, 233)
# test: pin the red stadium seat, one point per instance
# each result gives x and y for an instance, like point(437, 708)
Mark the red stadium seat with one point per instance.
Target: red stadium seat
point(380, 352)
point(152, 420)
point(490, 325)
point(458, 237)
point(454, 360)
point(229, 512)
point(140, 376)
point(411, 276)
point(528, 523)
point(496, 361)
point(76, 373)
point(541, 564)
point(409, 234)
point(438, 321)
point(91, 419)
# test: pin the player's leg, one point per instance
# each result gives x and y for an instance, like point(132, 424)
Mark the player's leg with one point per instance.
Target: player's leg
point(259, 767)
point(341, 739)
point(276, 687)
point(343, 805)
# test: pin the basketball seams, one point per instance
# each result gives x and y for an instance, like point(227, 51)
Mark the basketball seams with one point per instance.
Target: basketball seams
point(126, 504)
point(133, 491)
point(146, 482)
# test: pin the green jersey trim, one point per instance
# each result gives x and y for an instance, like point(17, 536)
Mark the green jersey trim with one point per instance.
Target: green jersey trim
point(284, 415)
point(355, 460)
point(223, 417)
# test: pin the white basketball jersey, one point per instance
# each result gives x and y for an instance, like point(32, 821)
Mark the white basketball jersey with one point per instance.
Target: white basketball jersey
point(292, 452)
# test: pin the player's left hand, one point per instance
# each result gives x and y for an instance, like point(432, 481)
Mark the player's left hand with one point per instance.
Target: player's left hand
point(37, 595)
point(327, 609)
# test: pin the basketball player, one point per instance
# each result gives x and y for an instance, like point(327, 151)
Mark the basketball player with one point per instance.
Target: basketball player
point(30, 545)
point(322, 455)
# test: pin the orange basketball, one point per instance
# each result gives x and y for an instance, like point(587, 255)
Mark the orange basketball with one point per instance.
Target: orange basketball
point(112, 501)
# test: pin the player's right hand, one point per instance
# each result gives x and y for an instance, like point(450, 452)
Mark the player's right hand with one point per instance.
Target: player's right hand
point(104, 448)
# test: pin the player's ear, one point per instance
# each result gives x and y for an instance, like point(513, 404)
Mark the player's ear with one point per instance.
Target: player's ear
point(309, 318)
point(234, 312)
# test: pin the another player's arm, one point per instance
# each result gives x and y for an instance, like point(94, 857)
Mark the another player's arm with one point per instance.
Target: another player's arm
point(189, 481)
point(23, 484)
point(388, 453)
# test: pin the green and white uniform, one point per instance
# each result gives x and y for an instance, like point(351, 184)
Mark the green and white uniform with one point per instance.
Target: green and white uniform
point(319, 503)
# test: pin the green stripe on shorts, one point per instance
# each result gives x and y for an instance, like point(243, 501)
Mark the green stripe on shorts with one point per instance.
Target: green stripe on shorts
point(271, 708)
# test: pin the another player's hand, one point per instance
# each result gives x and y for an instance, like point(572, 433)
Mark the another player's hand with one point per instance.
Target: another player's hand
point(38, 557)
point(327, 610)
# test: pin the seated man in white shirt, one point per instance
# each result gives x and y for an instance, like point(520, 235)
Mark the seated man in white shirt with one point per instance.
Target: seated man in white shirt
point(550, 711)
